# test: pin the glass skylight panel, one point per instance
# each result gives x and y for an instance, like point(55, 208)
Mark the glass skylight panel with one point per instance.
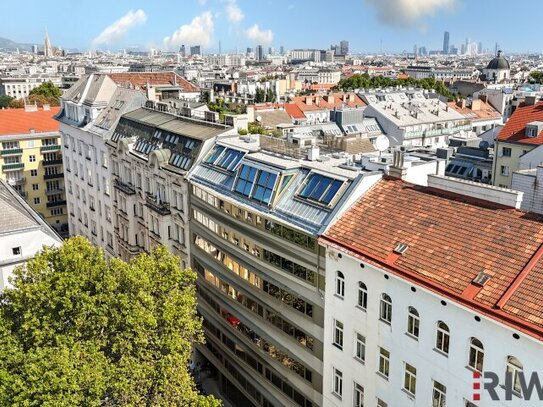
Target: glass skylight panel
point(246, 179)
point(217, 150)
point(320, 188)
point(230, 159)
point(264, 186)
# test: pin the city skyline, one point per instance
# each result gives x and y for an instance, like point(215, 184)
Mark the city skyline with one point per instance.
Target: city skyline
point(370, 26)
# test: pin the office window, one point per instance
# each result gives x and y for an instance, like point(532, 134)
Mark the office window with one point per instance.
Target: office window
point(410, 379)
point(514, 367)
point(32, 158)
point(338, 383)
point(340, 284)
point(438, 395)
point(358, 393)
point(413, 322)
point(362, 295)
point(384, 362)
point(476, 354)
point(33, 173)
point(442, 337)
point(386, 308)
point(338, 333)
point(360, 347)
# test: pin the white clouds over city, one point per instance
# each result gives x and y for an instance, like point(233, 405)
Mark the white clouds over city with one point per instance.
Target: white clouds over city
point(259, 36)
point(406, 13)
point(233, 12)
point(198, 32)
point(117, 31)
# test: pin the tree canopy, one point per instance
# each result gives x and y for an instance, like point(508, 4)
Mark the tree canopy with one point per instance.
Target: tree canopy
point(537, 76)
point(4, 101)
point(47, 89)
point(78, 330)
point(364, 81)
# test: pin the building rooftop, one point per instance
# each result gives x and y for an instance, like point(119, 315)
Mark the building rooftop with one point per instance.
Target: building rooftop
point(515, 128)
point(21, 121)
point(143, 79)
point(450, 240)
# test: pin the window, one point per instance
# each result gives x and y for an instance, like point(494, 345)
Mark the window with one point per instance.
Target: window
point(438, 395)
point(504, 170)
point(358, 393)
point(410, 379)
point(338, 383)
point(340, 284)
point(33, 173)
point(384, 362)
point(320, 188)
point(381, 403)
point(442, 337)
point(362, 295)
point(35, 187)
point(230, 159)
point(360, 347)
point(386, 309)
point(413, 322)
point(16, 251)
point(246, 179)
point(36, 201)
point(476, 354)
point(32, 158)
point(514, 367)
point(338, 333)
point(506, 152)
point(256, 184)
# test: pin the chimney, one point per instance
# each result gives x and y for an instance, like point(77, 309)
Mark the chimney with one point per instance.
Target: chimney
point(483, 98)
point(351, 97)
point(530, 100)
point(397, 169)
point(309, 100)
point(461, 103)
point(476, 104)
point(313, 153)
point(329, 98)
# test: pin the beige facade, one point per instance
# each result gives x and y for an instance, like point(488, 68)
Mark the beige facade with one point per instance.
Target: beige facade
point(507, 159)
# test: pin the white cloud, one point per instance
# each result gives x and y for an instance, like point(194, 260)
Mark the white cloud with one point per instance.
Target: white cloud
point(198, 32)
point(406, 13)
point(119, 28)
point(259, 36)
point(202, 2)
point(233, 12)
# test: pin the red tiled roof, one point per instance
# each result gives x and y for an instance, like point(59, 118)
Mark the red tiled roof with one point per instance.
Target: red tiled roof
point(450, 240)
point(142, 79)
point(320, 102)
point(515, 128)
point(294, 111)
point(18, 121)
point(483, 110)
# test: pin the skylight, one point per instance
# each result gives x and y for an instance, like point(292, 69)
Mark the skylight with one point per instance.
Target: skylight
point(256, 184)
point(225, 158)
point(320, 189)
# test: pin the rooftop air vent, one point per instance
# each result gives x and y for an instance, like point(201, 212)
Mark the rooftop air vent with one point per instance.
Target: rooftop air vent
point(401, 248)
point(481, 279)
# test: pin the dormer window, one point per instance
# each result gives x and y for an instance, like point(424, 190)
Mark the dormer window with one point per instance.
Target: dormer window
point(533, 129)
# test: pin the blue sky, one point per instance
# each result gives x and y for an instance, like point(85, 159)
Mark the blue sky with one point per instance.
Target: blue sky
point(396, 24)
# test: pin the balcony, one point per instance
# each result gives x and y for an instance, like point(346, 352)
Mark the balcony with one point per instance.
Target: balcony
point(13, 167)
point(56, 203)
point(54, 176)
point(52, 162)
point(11, 151)
point(52, 147)
point(16, 181)
point(162, 208)
point(124, 187)
point(54, 191)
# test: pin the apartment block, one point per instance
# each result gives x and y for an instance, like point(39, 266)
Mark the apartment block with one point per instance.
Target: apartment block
point(31, 161)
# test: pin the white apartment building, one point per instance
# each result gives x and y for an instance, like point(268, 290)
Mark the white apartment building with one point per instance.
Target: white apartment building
point(23, 233)
point(151, 152)
point(90, 112)
point(427, 288)
point(20, 86)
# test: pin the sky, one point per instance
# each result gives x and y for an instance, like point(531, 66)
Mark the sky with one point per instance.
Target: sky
point(371, 26)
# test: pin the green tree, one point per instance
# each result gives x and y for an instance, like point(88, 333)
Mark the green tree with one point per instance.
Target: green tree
point(47, 89)
point(4, 101)
point(78, 330)
point(537, 76)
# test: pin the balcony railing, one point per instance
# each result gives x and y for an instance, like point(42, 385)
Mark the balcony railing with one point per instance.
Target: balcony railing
point(11, 151)
point(162, 208)
point(124, 187)
point(52, 162)
point(54, 176)
point(17, 181)
point(56, 203)
point(54, 191)
point(13, 167)
point(51, 147)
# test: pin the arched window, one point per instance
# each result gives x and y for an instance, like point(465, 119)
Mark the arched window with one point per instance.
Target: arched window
point(362, 295)
point(386, 308)
point(413, 322)
point(514, 367)
point(476, 354)
point(340, 284)
point(442, 337)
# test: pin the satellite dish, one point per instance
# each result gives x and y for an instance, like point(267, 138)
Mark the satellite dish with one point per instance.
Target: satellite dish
point(483, 145)
point(258, 118)
point(382, 143)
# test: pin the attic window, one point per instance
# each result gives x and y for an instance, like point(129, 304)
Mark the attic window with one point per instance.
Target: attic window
point(401, 248)
point(481, 279)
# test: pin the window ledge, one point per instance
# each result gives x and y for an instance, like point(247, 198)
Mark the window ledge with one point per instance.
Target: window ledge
point(363, 361)
point(384, 321)
point(409, 335)
point(382, 375)
point(361, 308)
point(473, 369)
point(338, 346)
point(339, 296)
point(441, 352)
point(408, 393)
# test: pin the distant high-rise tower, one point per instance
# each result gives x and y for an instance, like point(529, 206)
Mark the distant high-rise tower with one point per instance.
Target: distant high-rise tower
point(343, 47)
point(249, 51)
point(196, 50)
point(282, 50)
point(259, 53)
point(47, 47)
point(480, 48)
point(182, 51)
point(446, 42)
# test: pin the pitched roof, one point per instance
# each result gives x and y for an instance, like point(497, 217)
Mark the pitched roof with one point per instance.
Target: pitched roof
point(450, 240)
point(479, 110)
point(294, 111)
point(19, 121)
point(321, 102)
point(515, 128)
point(142, 79)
